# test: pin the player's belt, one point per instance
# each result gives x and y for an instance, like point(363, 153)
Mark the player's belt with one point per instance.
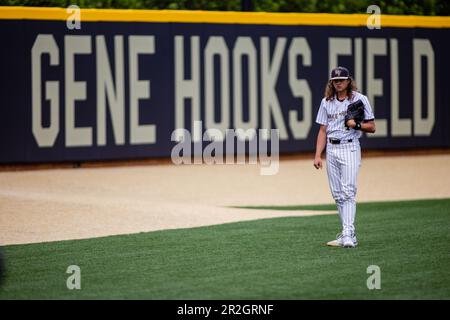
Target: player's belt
point(337, 141)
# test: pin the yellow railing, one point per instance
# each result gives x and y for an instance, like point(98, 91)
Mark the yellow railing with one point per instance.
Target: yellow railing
point(184, 16)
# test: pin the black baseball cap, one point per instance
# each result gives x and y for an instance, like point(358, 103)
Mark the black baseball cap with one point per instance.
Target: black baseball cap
point(339, 73)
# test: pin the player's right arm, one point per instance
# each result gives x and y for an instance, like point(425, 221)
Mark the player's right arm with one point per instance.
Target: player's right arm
point(320, 146)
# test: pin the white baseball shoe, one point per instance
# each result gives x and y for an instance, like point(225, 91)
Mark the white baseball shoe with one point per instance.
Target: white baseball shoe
point(347, 242)
point(344, 241)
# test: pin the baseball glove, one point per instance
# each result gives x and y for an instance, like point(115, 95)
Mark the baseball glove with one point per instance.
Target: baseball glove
point(355, 111)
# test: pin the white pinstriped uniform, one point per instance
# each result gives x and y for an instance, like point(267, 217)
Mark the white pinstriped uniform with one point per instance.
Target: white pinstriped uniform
point(344, 159)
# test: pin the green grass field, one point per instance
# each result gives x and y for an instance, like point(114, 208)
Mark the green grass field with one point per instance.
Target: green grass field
point(282, 258)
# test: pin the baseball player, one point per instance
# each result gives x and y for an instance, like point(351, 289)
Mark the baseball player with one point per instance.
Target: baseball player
point(343, 115)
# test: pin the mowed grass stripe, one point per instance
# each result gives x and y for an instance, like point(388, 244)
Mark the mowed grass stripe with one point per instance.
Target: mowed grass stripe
point(360, 205)
point(281, 258)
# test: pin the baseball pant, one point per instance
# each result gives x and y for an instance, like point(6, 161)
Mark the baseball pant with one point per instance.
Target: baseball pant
point(343, 162)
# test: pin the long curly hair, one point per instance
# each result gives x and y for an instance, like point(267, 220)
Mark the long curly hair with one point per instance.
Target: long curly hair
point(330, 91)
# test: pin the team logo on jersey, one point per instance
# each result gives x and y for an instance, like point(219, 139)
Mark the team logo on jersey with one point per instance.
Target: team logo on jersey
point(336, 116)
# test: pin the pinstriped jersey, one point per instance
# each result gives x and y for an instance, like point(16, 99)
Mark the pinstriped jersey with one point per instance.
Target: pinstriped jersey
point(332, 113)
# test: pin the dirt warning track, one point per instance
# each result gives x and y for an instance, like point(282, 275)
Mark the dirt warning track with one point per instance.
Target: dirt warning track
point(61, 204)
